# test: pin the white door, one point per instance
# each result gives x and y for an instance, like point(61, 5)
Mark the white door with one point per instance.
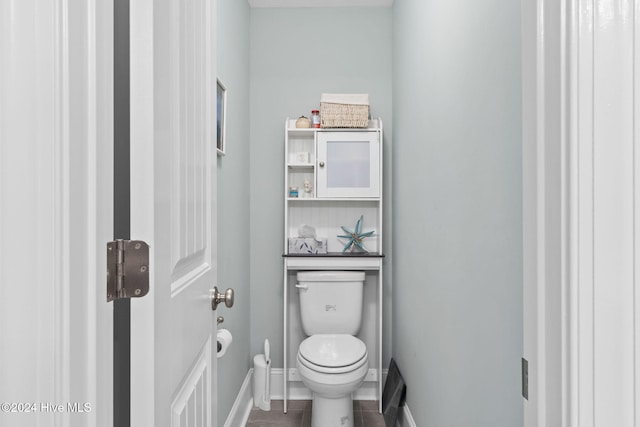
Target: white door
point(173, 206)
point(56, 205)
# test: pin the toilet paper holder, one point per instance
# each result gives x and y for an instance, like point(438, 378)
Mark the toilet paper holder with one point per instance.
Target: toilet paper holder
point(219, 320)
point(223, 341)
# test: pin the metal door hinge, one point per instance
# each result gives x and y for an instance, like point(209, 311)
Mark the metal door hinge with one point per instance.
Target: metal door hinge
point(525, 378)
point(127, 269)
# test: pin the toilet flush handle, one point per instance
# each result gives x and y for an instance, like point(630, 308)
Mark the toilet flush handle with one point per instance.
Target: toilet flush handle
point(299, 286)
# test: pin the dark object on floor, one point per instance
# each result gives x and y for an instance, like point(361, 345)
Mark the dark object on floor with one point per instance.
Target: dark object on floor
point(394, 394)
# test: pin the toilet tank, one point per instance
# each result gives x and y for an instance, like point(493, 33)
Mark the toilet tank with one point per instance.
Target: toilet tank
point(330, 301)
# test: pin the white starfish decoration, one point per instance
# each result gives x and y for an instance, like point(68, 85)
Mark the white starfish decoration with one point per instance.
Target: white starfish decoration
point(355, 237)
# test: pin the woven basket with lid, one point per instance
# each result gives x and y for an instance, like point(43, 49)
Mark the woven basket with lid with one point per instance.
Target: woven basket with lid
point(344, 110)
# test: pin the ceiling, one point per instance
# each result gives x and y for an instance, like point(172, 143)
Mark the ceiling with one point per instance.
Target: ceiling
point(318, 3)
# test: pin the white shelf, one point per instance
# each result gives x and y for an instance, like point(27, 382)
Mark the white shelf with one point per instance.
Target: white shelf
point(300, 165)
point(374, 124)
point(333, 263)
point(332, 199)
point(293, 130)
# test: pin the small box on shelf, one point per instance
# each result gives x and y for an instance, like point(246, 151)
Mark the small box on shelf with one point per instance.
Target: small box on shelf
point(307, 245)
point(300, 158)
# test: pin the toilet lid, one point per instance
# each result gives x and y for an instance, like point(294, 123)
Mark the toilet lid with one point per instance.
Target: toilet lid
point(333, 351)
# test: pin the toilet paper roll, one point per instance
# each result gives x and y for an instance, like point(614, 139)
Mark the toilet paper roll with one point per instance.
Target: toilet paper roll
point(224, 341)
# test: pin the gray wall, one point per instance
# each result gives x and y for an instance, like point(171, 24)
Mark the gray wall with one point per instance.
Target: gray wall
point(457, 323)
point(296, 54)
point(233, 198)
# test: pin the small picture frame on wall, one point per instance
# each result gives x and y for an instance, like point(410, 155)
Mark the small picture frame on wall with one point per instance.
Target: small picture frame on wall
point(221, 111)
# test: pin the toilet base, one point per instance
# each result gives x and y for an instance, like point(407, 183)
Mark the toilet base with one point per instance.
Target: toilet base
point(327, 411)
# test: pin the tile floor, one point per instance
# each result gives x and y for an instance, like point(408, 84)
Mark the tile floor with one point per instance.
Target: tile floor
point(365, 414)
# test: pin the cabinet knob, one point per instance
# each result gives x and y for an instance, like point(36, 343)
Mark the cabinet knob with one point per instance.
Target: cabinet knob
point(321, 164)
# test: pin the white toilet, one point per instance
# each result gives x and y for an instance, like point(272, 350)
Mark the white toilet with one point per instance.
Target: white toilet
point(332, 362)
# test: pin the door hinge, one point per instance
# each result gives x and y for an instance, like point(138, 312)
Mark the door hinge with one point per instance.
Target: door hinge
point(525, 378)
point(127, 269)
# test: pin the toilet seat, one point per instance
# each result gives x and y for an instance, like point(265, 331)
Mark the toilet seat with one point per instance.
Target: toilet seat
point(332, 353)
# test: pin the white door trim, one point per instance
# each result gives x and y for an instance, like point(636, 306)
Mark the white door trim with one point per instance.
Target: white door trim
point(544, 209)
point(55, 211)
point(580, 179)
point(142, 202)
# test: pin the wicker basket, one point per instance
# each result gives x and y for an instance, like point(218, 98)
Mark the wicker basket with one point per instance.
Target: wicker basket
point(344, 111)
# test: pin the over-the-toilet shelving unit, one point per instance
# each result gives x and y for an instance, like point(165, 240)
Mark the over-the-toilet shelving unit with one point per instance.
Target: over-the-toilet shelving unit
point(344, 169)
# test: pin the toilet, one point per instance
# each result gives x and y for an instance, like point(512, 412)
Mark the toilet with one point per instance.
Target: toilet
point(331, 361)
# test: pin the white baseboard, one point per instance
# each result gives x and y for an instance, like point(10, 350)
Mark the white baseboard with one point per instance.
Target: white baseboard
point(405, 419)
point(242, 406)
point(297, 391)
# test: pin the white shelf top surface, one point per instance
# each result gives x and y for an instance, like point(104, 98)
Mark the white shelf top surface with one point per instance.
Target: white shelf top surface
point(320, 3)
point(374, 124)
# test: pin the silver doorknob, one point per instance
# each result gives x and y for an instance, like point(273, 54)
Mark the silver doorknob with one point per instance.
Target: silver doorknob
point(321, 164)
point(217, 298)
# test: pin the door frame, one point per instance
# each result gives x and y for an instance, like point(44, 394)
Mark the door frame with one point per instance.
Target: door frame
point(581, 187)
point(545, 85)
point(55, 64)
